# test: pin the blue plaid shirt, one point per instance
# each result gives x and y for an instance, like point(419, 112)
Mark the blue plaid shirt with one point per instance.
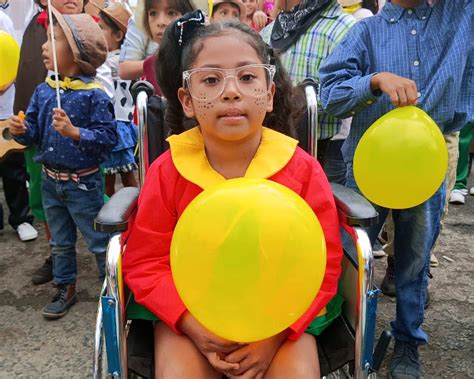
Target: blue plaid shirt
point(88, 109)
point(431, 45)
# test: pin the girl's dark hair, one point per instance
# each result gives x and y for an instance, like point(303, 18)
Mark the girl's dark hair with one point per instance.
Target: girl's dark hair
point(173, 60)
point(182, 6)
point(112, 25)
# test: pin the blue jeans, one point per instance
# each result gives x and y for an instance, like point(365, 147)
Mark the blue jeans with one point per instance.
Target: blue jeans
point(69, 205)
point(416, 230)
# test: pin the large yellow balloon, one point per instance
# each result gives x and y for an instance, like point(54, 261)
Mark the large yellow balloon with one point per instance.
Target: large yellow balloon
point(401, 160)
point(9, 58)
point(248, 257)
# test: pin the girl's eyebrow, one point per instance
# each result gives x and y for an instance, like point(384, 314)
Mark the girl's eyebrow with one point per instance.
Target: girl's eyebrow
point(239, 64)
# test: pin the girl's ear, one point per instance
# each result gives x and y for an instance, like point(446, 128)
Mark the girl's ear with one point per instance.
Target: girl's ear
point(186, 101)
point(270, 96)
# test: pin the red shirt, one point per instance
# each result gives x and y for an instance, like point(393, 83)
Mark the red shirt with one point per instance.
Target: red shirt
point(167, 193)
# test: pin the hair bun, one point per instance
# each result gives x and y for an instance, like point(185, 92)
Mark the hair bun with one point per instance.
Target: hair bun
point(185, 26)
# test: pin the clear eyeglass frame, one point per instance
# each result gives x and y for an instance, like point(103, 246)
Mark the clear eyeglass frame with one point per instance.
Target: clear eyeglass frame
point(227, 73)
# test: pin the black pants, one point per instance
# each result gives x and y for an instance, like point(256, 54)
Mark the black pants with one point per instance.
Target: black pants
point(13, 173)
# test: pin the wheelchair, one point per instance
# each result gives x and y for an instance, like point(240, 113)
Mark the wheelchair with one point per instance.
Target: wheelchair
point(124, 347)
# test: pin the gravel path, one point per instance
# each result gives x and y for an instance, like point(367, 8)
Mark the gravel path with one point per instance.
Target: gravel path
point(33, 347)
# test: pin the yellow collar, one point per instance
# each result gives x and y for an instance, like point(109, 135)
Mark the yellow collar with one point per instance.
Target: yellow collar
point(75, 84)
point(189, 157)
point(352, 8)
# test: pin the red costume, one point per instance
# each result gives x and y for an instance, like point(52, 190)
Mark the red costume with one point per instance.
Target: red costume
point(178, 176)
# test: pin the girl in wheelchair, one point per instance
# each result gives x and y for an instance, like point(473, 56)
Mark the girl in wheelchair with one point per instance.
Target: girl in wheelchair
point(230, 82)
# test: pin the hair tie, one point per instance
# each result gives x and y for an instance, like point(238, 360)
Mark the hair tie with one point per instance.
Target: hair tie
point(271, 55)
point(187, 25)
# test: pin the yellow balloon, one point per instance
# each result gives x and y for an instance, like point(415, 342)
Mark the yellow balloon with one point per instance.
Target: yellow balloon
point(248, 257)
point(9, 58)
point(401, 160)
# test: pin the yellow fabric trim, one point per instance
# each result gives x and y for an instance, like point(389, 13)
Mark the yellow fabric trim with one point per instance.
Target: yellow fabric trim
point(75, 84)
point(352, 8)
point(323, 312)
point(189, 157)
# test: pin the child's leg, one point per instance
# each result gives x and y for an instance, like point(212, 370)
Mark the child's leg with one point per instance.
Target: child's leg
point(177, 357)
point(84, 201)
point(296, 359)
point(128, 179)
point(109, 184)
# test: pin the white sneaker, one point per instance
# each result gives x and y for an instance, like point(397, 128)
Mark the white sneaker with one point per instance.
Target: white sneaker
point(471, 191)
point(27, 232)
point(456, 197)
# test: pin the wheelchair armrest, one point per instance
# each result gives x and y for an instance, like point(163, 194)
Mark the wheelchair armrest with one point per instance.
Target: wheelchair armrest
point(357, 210)
point(114, 215)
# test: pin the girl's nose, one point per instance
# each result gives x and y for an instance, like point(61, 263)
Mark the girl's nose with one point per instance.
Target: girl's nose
point(231, 90)
point(162, 20)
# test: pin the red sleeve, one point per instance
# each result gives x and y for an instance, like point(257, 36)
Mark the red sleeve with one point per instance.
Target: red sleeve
point(146, 262)
point(317, 193)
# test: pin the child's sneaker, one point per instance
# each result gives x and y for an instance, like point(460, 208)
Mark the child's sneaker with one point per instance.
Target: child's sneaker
point(456, 197)
point(64, 298)
point(406, 361)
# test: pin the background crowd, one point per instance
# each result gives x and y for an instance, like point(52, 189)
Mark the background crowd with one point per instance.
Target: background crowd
point(410, 53)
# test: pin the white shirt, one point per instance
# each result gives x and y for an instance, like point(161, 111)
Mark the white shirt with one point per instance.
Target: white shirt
point(6, 100)
point(20, 12)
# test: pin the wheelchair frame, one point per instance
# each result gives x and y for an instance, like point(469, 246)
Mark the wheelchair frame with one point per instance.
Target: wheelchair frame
point(359, 309)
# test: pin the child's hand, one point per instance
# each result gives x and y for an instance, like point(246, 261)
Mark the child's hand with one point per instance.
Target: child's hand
point(402, 91)
point(63, 125)
point(16, 124)
point(210, 345)
point(259, 19)
point(255, 358)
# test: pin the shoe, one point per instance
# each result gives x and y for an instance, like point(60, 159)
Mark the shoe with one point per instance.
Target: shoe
point(44, 274)
point(406, 361)
point(26, 232)
point(456, 197)
point(388, 282)
point(464, 191)
point(64, 298)
point(471, 191)
point(434, 261)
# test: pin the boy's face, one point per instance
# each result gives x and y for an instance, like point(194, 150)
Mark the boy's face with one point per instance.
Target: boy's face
point(112, 37)
point(226, 12)
point(64, 55)
point(251, 6)
point(68, 6)
point(160, 15)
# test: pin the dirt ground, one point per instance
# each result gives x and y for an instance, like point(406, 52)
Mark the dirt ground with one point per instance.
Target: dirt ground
point(32, 347)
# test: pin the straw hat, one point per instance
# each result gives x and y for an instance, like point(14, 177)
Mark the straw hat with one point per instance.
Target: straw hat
point(242, 8)
point(119, 13)
point(86, 40)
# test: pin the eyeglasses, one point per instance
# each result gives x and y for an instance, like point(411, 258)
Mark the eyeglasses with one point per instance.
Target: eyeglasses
point(209, 83)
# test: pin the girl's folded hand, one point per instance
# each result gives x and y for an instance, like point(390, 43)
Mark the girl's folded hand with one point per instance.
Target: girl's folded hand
point(211, 346)
point(255, 358)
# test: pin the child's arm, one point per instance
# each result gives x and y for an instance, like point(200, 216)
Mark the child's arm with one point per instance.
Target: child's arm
point(100, 135)
point(25, 128)
point(317, 193)
point(132, 53)
point(349, 83)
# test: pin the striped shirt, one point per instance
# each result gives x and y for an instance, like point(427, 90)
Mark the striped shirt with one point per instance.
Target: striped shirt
point(302, 60)
point(431, 45)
